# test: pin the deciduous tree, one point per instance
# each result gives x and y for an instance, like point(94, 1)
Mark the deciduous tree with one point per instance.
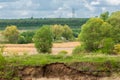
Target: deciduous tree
point(43, 40)
point(94, 35)
point(11, 33)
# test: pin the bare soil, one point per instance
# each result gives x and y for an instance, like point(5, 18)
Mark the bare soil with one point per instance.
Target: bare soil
point(61, 71)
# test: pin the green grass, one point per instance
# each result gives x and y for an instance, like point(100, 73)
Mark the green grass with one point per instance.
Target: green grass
point(42, 59)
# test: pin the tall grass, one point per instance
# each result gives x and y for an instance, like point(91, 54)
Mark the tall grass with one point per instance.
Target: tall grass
point(2, 58)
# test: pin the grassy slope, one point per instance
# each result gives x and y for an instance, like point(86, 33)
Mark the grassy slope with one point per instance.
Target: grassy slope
point(42, 59)
point(13, 62)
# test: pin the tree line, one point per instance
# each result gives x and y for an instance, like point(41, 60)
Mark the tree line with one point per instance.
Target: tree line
point(35, 23)
point(59, 33)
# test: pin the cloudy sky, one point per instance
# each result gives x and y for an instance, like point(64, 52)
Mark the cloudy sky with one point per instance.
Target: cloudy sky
point(56, 8)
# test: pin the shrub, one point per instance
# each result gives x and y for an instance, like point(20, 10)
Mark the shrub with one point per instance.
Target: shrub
point(107, 45)
point(78, 50)
point(11, 33)
point(62, 32)
point(21, 40)
point(57, 31)
point(26, 37)
point(76, 32)
point(116, 49)
point(2, 59)
point(43, 40)
point(63, 52)
point(67, 33)
point(114, 20)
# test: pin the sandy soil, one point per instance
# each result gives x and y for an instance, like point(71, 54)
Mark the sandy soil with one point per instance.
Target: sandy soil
point(30, 49)
point(46, 79)
point(105, 78)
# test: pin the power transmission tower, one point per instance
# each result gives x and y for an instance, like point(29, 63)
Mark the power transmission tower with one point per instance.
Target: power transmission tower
point(73, 13)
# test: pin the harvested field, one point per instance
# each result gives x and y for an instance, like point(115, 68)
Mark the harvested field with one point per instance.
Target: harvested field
point(30, 49)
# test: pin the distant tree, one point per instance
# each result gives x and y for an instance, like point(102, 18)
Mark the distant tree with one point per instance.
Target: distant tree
point(94, 35)
point(67, 33)
point(114, 20)
point(43, 40)
point(104, 16)
point(21, 40)
point(11, 33)
point(28, 36)
point(34, 23)
point(57, 31)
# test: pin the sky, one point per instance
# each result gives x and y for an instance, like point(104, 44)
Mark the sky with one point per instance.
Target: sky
point(11, 9)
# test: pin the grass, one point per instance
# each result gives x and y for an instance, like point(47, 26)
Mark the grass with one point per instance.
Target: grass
point(12, 62)
point(42, 59)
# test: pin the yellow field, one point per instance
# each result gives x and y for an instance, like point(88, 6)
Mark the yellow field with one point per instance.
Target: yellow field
point(30, 49)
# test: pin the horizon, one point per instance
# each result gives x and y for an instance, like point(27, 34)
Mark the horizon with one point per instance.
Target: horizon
point(21, 9)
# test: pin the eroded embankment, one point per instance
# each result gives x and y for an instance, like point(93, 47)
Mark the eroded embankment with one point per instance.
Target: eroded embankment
point(74, 71)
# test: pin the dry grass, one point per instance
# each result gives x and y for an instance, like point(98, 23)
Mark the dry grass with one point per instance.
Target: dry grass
point(29, 48)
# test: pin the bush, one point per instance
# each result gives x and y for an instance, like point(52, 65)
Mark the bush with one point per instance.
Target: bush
point(26, 37)
point(116, 49)
point(57, 31)
point(78, 50)
point(43, 40)
point(76, 32)
point(11, 33)
point(2, 59)
point(63, 52)
point(67, 33)
point(107, 45)
point(62, 32)
point(114, 20)
point(21, 40)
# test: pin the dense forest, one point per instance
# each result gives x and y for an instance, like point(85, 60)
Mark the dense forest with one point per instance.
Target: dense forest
point(34, 23)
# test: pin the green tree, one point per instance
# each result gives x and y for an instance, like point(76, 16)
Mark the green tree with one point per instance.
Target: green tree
point(21, 40)
point(57, 31)
point(11, 33)
point(114, 20)
point(28, 36)
point(67, 33)
point(104, 16)
point(43, 40)
point(95, 33)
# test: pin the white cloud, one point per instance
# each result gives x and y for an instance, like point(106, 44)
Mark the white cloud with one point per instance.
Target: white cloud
point(23, 13)
point(64, 11)
point(103, 9)
point(113, 2)
point(95, 3)
point(89, 6)
point(29, 3)
point(1, 6)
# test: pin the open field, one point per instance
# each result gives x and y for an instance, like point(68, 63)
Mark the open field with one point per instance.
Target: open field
point(30, 49)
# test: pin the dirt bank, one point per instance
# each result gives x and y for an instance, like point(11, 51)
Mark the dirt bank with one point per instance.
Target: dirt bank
point(61, 71)
point(55, 70)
